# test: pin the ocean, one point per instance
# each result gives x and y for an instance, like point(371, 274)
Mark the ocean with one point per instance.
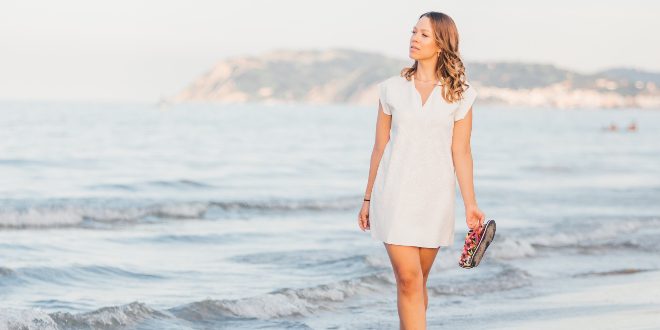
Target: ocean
point(133, 216)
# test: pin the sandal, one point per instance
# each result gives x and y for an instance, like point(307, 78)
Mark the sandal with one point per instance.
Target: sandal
point(476, 243)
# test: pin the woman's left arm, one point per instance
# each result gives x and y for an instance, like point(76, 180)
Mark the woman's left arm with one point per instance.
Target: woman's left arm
point(462, 158)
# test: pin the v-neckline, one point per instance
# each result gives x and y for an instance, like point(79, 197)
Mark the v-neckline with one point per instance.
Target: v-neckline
point(423, 103)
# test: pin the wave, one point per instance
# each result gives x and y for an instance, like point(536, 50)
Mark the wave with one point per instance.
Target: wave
point(4, 271)
point(332, 260)
point(586, 237)
point(507, 279)
point(284, 302)
point(26, 319)
point(183, 183)
point(135, 315)
point(98, 213)
point(36, 217)
point(624, 271)
point(293, 302)
point(108, 317)
point(277, 304)
point(345, 203)
point(225, 238)
point(158, 184)
point(18, 162)
point(74, 216)
point(66, 275)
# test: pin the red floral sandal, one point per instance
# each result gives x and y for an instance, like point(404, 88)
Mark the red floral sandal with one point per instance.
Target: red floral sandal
point(476, 243)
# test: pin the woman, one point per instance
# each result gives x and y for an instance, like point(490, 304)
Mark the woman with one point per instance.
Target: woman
point(422, 145)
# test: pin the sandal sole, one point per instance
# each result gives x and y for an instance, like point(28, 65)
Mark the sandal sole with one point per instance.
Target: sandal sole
point(488, 235)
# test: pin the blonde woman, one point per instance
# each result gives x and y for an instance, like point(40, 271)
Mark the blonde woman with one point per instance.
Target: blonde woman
point(422, 146)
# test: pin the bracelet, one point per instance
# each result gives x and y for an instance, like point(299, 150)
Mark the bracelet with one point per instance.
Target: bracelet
point(367, 200)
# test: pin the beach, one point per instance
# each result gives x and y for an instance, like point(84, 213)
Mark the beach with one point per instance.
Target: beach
point(245, 217)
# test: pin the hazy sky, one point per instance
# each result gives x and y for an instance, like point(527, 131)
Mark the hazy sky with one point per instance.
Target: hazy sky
point(141, 50)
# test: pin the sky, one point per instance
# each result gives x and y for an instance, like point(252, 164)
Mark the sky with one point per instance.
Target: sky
point(142, 50)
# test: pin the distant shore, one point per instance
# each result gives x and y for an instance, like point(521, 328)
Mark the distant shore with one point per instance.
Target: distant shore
point(344, 76)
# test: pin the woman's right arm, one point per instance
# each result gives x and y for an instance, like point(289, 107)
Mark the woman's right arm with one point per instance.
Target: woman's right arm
point(383, 124)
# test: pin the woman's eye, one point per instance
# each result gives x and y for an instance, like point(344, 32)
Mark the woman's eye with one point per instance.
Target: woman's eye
point(413, 32)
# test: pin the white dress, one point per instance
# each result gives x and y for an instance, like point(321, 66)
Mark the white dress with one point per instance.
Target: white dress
point(413, 195)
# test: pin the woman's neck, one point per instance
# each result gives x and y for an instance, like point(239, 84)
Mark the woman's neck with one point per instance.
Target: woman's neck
point(426, 70)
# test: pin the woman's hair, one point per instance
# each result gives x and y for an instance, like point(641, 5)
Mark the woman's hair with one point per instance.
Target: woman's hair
point(449, 69)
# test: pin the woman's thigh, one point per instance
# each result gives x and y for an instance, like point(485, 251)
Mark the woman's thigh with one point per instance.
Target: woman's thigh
point(406, 261)
point(426, 258)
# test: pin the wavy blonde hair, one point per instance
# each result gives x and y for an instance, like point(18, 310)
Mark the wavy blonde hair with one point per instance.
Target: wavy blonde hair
point(449, 69)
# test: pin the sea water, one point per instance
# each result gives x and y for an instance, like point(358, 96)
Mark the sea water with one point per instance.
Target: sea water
point(132, 216)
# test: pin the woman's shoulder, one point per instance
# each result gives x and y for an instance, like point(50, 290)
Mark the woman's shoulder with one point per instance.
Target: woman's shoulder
point(469, 90)
point(393, 80)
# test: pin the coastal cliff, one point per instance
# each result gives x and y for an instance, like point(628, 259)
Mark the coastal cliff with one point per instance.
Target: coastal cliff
point(349, 76)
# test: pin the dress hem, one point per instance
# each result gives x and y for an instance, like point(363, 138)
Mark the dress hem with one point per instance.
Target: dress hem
point(435, 246)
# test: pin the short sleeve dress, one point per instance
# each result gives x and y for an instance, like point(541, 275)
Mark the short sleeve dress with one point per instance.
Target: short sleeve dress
point(413, 195)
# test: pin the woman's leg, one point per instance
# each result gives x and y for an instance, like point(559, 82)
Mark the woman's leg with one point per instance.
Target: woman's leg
point(426, 258)
point(410, 287)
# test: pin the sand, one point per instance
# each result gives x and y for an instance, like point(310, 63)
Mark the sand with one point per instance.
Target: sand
point(629, 301)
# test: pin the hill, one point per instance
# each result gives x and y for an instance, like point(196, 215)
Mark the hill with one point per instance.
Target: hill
point(349, 76)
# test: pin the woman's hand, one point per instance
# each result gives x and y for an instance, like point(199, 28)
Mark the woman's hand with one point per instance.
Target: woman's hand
point(363, 217)
point(474, 217)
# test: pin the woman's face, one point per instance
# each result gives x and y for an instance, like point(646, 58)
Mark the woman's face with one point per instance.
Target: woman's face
point(422, 41)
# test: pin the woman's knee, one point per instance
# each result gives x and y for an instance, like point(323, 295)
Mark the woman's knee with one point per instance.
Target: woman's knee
point(410, 281)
